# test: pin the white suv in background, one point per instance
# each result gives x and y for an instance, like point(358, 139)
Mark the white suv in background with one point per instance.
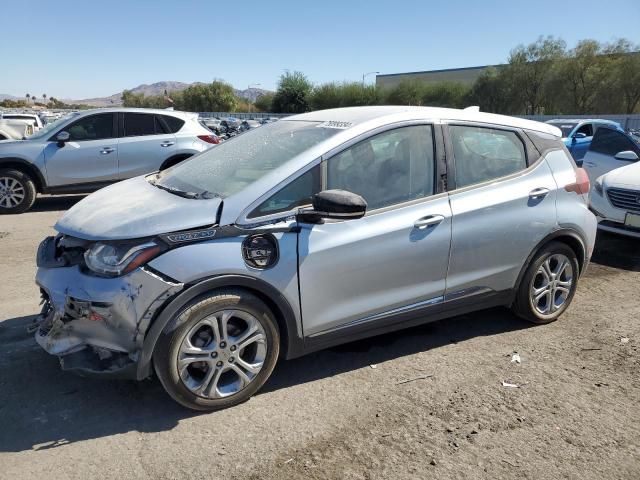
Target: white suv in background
point(84, 151)
point(615, 199)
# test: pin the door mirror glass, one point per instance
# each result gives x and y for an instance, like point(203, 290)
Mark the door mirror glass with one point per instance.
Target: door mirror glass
point(63, 137)
point(627, 155)
point(335, 204)
point(580, 135)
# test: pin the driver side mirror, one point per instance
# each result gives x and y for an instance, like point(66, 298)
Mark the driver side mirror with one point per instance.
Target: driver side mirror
point(62, 138)
point(579, 135)
point(334, 204)
point(627, 155)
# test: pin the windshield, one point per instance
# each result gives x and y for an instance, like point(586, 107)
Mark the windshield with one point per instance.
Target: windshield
point(235, 164)
point(49, 127)
point(566, 128)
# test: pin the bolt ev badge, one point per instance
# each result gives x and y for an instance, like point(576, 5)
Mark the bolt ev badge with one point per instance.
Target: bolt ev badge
point(260, 251)
point(191, 236)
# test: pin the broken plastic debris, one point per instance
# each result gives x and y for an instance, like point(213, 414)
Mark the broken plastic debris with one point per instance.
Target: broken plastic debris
point(624, 340)
point(515, 358)
point(373, 366)
point(509, 385)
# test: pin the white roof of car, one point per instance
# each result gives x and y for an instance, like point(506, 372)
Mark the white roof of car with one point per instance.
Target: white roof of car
point(176, 113)
point(351, 116)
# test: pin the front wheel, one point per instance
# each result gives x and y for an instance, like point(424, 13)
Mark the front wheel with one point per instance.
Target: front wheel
point(548, 285)
point(222, 351)
point(17, 191)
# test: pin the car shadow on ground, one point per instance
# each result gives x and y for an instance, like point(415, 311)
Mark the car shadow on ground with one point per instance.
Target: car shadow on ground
point(54, 203)
point(617, 251)
point(42, 407)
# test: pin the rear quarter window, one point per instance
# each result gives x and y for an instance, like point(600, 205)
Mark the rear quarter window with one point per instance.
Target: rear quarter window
point(173, 123)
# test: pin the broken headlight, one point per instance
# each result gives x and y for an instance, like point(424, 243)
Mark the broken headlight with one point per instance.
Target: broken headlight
point(115, 259)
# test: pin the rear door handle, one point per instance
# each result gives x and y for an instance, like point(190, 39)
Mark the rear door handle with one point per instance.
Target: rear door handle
point(106, 150)
point(539, 192)
point(588, 164)
point(428, 221)
point(167, 144)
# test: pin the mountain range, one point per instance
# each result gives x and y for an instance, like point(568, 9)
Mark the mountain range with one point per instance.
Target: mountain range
point(157, 88)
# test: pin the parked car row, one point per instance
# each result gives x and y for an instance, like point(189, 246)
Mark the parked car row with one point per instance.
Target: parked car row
point(84, 151)
point(18, 124)
point(610, 156)
point(578, 134)
point(229, 127)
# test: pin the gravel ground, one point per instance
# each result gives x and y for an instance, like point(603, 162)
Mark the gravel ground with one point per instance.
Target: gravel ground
point(422, 403)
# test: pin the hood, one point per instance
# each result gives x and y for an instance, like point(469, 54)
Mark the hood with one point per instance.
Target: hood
point(133, 209)
point(627, 176)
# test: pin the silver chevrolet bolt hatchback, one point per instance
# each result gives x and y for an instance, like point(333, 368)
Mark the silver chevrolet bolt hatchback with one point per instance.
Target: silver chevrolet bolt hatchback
point(319, 229)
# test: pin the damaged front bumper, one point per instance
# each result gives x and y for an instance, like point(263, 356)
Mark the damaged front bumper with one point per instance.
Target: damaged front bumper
point(97, 325)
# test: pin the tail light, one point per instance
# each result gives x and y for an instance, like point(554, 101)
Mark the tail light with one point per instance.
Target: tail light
point(582, 184)
point(210, 139)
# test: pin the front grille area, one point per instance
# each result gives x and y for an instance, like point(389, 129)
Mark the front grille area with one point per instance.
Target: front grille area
point(624, 199)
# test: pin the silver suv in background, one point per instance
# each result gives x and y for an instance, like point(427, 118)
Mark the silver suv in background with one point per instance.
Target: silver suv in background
point(318, 229)
point(84, 151)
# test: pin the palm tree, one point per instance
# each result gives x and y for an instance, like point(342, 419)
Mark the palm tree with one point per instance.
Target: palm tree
point(33, 97)
point(44, 98)
point(28, 97)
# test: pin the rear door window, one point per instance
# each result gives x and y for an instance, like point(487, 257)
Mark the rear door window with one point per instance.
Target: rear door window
point(483, 154)
point(139, 124)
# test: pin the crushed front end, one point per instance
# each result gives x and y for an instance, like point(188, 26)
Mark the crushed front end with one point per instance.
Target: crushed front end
point(95, 324)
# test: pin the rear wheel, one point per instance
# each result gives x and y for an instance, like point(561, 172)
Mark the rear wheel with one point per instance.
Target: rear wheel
point(223, 350)
point(548, 285)
point(17, 191)
point(174, 161)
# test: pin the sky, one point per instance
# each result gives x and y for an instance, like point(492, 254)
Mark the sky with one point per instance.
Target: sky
point(82, 49)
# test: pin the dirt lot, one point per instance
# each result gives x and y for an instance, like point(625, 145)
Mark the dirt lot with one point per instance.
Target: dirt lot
point(358, 411)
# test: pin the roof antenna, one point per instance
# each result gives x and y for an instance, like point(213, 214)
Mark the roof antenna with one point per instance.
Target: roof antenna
point(474, 108)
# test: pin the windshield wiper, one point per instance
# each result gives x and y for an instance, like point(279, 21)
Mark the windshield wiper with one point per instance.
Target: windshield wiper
point(206, 195)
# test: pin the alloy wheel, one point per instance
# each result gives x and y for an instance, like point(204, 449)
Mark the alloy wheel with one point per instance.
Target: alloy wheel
point(551, 285)
point(12, 192)
point(222, 354)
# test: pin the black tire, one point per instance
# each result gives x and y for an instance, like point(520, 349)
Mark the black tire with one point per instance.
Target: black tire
point(165, 358)
point(524, 305)
point(27, 186)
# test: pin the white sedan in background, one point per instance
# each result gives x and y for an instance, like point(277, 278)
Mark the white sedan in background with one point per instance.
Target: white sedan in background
point(615, 199)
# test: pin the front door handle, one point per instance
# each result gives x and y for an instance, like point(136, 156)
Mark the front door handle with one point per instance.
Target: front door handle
point(539, 192)
point(428, 221)
point(167, 144)
point(588, 164)
point(106, 150)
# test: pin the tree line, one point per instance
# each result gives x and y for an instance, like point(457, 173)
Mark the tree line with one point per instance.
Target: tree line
point(543, 77)
point(47, 102)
